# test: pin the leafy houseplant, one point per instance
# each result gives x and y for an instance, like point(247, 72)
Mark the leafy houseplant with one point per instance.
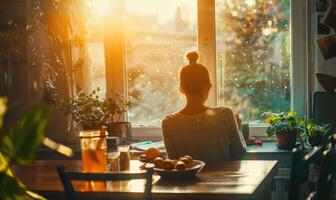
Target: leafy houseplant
point(89, 110)
point(92, 112)
point(315, 132)
point(286, 126)
point(18, 145)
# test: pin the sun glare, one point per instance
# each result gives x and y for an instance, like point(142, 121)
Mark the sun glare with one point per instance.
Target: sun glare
point(100, 7)
point(250, 3)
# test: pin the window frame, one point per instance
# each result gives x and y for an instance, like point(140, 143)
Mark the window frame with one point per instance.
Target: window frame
point(115, 60)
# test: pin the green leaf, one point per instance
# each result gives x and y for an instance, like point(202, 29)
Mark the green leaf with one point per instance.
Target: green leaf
point(270, 132)
point(12, 189)
point(3, 108)
point(4, 165)
point(22, 141)
point(34, 195)
point(9, 187)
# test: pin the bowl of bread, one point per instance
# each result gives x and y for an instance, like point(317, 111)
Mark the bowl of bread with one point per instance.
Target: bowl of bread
point(181, 168)
point(184, 167)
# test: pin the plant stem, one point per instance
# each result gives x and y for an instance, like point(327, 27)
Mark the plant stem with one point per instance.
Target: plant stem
point(303, 146)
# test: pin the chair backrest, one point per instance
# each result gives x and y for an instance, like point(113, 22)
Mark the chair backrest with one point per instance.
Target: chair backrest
point(324, 107)
point(326, 179)
point(67, 177)
point(300, 168)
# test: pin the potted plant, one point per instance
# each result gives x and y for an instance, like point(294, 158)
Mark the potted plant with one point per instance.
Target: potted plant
point(285, 126)
point(315, 133)
point(91, 112)
point(115, 125)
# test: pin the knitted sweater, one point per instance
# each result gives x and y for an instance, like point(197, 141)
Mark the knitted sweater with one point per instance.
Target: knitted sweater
point(209, 136)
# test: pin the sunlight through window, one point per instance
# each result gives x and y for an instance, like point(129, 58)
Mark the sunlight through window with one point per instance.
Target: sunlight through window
point(156, 42)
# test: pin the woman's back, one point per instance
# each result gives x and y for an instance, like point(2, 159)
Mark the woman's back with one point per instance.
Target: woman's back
point(210, 136)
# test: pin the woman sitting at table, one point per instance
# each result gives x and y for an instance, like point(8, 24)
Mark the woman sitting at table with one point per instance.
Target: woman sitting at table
point(208, 134)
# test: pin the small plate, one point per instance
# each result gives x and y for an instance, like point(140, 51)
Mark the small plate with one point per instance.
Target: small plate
point(191, 172)
point(250, 140)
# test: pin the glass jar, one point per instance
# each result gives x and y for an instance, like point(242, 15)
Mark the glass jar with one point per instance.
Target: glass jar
point(93, 148)
point(113, 155)
point(125, 157)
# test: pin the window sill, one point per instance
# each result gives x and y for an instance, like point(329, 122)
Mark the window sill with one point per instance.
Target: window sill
point(140, 133)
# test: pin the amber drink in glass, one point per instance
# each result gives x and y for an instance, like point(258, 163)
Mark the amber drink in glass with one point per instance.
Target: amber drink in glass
point(93, 147)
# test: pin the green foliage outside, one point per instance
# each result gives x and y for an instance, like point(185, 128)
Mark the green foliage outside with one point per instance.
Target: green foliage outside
point(255, 56)
point(18, 145)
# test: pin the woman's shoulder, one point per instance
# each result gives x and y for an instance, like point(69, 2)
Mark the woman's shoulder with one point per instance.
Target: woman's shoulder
point(213, 111)
point(169, 118)
point(223, 110)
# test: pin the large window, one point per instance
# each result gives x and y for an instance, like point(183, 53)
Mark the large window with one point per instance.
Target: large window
point(93, 52)
point(248, 46)
point(253, 55)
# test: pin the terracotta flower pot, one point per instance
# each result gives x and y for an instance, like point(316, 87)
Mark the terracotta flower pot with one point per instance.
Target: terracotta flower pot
point(286, 140)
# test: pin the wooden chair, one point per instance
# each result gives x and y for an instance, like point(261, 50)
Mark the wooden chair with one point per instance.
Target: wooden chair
point(324, 107)
point(300, 168)
point(67, 176)
point(326, 177)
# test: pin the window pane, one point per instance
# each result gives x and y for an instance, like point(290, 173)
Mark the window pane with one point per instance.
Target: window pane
point(94, 71)
point(158, 34)
point(253, 55)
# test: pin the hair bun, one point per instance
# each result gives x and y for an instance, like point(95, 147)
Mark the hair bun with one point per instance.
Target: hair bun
point(192, 57)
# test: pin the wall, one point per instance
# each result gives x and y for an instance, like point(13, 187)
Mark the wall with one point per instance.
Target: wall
point(320, 65)
point(15, 63)
point(27, 87)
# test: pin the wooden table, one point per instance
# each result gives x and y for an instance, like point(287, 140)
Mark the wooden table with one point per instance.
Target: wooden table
point(248, 179)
